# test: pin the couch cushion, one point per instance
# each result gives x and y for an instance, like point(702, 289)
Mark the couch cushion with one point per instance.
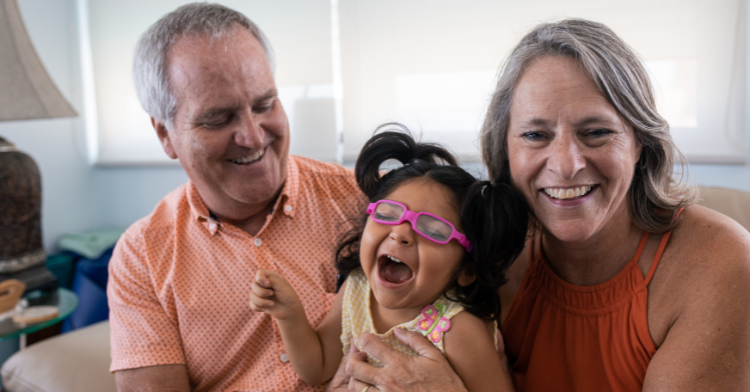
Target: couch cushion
point(732, 203)
point(76, 361)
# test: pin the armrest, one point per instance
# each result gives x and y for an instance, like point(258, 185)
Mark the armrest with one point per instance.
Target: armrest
point(76, 361)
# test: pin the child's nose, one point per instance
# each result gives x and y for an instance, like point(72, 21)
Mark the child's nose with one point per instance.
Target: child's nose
point(403, 234)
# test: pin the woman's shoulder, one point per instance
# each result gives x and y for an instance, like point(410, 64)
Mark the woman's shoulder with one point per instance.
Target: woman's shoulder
point(705, 233)
point(707, 261)
point(710, 244)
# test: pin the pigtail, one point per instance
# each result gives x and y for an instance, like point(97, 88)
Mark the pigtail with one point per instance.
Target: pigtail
point(495, 218)
point(395, 144)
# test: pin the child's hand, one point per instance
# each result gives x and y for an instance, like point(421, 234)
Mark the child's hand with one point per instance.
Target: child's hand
point(273, 295)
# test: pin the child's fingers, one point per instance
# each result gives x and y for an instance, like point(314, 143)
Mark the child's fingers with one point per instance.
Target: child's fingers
point(262, 277)
point(261, 291)
point(258, 304)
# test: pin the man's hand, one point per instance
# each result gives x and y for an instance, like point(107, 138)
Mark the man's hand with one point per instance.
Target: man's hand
point(273, 295)
point(430, 371)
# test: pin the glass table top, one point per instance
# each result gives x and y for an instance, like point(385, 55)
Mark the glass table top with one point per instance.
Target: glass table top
point(65, 300)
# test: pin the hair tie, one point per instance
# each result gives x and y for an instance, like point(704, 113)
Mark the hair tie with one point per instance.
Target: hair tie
point(487, 185)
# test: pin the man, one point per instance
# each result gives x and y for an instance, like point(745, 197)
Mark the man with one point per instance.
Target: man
point(180, 278)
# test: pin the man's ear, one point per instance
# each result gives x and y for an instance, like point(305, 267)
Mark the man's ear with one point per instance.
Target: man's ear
point(164, 138)
point(465, 279)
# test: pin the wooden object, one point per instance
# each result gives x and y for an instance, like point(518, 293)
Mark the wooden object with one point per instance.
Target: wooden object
point(10, 292)
point(36, 314)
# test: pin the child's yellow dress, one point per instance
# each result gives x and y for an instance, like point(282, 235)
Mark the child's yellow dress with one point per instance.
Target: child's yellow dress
point(357, 318)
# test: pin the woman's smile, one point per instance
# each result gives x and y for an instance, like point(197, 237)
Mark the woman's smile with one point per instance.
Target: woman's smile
point(570, 152)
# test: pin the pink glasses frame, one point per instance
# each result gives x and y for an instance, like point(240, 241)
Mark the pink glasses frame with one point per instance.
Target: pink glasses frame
point(411, 217)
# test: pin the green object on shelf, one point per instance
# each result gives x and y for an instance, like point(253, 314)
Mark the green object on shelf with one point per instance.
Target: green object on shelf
point(62, 266)
point(91, 245)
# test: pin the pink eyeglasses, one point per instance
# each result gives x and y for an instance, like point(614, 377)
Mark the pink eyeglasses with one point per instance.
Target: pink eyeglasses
point(432, 227)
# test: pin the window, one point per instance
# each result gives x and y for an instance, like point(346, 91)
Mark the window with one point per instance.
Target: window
point(347, 66)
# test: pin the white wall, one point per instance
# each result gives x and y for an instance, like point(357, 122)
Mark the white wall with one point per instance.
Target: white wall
point(78, 197)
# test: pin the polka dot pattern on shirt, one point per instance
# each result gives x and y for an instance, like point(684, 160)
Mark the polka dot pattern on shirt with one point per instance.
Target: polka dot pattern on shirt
point(180, 281)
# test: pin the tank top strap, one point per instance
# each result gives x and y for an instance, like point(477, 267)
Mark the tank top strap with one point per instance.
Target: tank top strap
point(657, 258)
point(659, 253)
point(641, 247)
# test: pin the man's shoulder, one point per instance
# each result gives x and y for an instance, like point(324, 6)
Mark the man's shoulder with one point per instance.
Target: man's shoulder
point(326, 176)
point(311, 167)
point(164, 214)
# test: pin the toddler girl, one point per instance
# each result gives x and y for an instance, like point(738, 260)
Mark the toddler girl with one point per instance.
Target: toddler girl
point(433, 243)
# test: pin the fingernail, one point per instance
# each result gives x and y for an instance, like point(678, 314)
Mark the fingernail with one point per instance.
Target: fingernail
point(398, 331)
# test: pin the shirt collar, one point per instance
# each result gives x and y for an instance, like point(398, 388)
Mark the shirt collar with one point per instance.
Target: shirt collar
point(287, 199)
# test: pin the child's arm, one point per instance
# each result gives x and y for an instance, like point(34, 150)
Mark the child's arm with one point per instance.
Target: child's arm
point(473, 354)
point(314, 354)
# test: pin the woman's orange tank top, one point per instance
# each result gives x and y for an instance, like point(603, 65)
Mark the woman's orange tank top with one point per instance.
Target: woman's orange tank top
point(562, 337)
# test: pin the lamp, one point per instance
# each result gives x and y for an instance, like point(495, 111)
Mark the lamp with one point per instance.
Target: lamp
point(26, 92)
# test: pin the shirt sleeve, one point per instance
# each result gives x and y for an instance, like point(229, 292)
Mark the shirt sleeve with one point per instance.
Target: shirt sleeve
point(142, 333)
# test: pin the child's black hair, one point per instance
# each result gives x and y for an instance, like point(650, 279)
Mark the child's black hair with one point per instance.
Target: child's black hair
point(494, 216)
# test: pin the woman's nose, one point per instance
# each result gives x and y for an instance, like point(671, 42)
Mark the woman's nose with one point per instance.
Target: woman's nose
point(403, 234)
point(566, 158)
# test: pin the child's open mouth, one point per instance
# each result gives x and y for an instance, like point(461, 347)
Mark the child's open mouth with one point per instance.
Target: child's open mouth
point(393, 270)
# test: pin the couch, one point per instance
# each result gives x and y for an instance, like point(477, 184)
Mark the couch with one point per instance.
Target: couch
point(76, 361)
point(79, 360)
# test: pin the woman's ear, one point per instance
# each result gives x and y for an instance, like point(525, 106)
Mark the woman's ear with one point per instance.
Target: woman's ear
point(465, 278)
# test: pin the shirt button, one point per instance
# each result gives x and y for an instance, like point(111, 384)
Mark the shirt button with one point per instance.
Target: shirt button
point(257, 242)
point(288, 208)
point(212, 226)
point(284, 358)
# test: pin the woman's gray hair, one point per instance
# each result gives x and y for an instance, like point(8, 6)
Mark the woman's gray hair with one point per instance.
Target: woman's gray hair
point(150, 64)
point(656, 192)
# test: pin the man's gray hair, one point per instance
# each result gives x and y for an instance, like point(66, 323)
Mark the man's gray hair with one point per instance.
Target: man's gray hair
point(656, 192)
point(150, 64)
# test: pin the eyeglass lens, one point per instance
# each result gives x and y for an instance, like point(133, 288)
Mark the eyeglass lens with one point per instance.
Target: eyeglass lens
point(427, 225)
point(388, 212)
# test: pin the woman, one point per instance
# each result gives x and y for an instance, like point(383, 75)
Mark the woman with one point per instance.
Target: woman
point(624, 285)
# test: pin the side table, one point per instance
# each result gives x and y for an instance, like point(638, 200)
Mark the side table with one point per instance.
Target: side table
point(65, 300)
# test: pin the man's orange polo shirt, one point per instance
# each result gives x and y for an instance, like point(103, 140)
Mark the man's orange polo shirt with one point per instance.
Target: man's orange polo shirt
point(179, 285)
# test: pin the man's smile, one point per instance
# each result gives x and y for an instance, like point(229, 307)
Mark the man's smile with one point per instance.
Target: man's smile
point(249, 158)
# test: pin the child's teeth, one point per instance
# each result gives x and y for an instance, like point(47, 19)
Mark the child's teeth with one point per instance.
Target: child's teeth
point(394, 259)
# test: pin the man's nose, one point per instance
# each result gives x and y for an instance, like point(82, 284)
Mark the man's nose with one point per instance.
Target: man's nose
point(402, 234)
point(249, 133)
point(566, 157)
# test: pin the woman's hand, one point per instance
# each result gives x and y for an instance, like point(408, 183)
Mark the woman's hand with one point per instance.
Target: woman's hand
point(429, 371)
point(342, 381)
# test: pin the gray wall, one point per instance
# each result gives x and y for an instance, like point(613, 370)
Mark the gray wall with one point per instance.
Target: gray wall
point(79, 197)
